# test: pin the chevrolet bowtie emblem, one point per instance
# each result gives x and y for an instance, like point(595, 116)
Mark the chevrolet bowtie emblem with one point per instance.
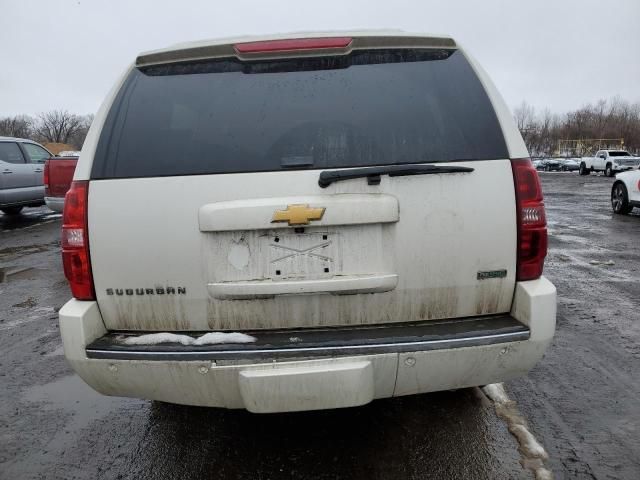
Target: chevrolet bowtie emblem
point(297, 215)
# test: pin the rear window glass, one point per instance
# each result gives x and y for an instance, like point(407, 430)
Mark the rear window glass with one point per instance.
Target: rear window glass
point(368, 108)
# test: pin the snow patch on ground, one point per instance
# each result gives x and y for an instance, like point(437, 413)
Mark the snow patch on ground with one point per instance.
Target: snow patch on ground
point(532, 452)
point(496, 392)
point(599, 262)
point(528, 442)
point(206, 339)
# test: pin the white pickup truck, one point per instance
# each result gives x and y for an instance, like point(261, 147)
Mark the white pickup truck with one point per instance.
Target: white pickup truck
point(608, 161)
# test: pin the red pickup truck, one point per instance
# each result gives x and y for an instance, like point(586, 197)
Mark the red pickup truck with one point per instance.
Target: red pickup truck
point(58, 174)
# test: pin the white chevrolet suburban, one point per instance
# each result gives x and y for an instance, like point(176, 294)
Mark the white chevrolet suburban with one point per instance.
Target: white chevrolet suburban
point(304, 222)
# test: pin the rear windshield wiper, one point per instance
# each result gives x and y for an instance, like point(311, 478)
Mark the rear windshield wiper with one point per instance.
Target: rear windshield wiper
point(373, 173)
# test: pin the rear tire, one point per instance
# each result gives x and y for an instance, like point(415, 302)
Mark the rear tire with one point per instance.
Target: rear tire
point(583, 169)
point(608, 172)
point(11, 210)
point(620, 199)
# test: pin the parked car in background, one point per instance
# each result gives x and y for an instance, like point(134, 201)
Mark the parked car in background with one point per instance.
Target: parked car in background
point(609, 161)
point(625, 192)
point(549, 165)
point(21, 174)
point(569, 165)
point(261, 278)
point(58, 174)
point(69, 153)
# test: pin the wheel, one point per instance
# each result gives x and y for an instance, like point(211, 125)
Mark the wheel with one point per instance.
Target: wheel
point(546, 168)
point(608, 172)
point(11, 210)
point(620, 199)
point(583, 169)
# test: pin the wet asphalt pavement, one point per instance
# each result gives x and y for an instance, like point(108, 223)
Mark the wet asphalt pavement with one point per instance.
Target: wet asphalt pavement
point(582, 402)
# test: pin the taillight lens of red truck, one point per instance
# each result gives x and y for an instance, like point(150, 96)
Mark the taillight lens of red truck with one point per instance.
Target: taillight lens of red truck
point(47, 191)
point(532, 221)
point(75, 242)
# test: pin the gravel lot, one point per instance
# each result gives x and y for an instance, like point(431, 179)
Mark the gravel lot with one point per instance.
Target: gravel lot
point(582, 402)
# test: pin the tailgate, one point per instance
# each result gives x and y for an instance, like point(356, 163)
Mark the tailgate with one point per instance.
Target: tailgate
point(60, 175)
point(206, 212)
point(422, 247)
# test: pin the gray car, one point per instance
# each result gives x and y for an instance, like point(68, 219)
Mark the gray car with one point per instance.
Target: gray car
point(21, 174)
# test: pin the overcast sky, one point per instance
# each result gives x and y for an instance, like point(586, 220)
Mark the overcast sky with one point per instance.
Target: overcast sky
point(559, 54)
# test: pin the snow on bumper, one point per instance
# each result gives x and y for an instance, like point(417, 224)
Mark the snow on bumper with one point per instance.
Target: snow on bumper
point(294, 385)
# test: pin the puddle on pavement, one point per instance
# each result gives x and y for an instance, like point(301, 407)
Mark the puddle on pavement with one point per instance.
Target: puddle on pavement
point(24, 312)
point(29, 218)
point(73, 406)
point(72, 395)
point(19, 321)
point(22, 250)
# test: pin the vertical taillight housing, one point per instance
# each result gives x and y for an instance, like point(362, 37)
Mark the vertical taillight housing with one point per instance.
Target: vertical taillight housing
point(47, 190)
point(75, 242)
point(532, 222)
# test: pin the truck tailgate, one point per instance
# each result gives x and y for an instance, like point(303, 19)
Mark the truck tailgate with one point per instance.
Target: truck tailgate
point(413, 248)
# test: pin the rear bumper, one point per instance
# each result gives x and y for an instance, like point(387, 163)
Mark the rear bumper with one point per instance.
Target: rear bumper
point(317, 374)
point(323, 343)
point(55, 203)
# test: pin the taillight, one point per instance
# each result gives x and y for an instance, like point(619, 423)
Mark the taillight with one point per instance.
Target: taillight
point(270, 46)
point(47, 190)
point(75, 242)
point(532, 222)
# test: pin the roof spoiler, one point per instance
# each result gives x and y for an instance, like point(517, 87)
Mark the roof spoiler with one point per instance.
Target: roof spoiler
point(306, 46)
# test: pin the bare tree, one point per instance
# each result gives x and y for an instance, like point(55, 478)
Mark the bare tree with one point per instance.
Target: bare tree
point(77, 139)
point(525, 117)
point(57, 126)
point(16, 126)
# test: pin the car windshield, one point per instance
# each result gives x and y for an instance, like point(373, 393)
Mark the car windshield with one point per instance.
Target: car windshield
point(619, 153)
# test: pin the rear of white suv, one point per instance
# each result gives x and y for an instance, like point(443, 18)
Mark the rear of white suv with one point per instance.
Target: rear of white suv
point(354, 216)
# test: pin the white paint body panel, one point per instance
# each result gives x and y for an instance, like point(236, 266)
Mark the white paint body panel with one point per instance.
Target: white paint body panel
point(220, 385)
point(449, 227)
point(631, 180)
